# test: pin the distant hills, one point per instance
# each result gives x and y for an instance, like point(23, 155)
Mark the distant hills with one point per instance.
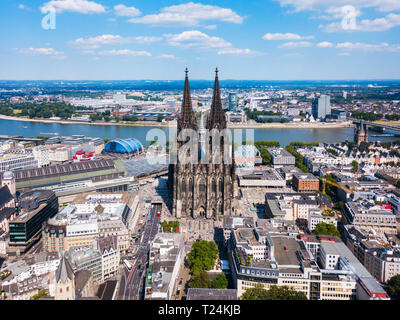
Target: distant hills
point(194, 84)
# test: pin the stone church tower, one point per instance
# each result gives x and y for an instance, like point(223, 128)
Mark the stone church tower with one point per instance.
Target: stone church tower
point(203, 189)
point(360, 133)
point(65, 281)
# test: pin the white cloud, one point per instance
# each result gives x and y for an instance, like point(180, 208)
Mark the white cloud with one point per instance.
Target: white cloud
point(196, 39)
point(43, 52)
point(189, 14)
point(167, 56)
point(146, 40)
point(81, 6)
point(325, 44)
point(300, 44)
point(353, 46)
point(237, 51)
point(24, 7)
point(340, 12)
point(97, 42)
point(381, 5)
point(124, 11)
point(125, 52)
point(210, 27)
point(379, 24)
point(285, 36)
point(199, 40)
point(109, 39)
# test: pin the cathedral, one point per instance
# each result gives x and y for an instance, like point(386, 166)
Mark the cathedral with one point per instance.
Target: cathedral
point(199, 189)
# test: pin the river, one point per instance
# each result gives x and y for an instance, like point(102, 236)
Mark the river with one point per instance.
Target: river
point(284, 136)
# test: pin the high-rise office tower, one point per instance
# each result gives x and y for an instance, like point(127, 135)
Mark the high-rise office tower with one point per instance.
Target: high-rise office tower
point(233, 102)
point(321, 107)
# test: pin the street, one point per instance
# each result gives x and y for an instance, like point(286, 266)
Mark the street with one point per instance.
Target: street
point(132, 282)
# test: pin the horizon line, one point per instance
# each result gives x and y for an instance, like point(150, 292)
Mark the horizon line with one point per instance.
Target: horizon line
point(355, 79)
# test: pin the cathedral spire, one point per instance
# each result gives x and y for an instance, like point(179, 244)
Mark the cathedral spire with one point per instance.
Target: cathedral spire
point(216, 117)
point(187, 110)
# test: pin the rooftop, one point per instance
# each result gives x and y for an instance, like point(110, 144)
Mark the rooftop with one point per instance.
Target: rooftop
point(285, 250)
point(305, 176)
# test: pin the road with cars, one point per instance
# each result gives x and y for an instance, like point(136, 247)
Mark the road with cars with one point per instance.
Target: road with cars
point(132, 281)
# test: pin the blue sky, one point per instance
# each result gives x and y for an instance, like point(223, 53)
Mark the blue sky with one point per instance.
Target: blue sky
point(260, 40)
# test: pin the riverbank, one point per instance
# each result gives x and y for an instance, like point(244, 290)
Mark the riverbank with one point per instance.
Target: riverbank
point(127, 124)
point(291, 125)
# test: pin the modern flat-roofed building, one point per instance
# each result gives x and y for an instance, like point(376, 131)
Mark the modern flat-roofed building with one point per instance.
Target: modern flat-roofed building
point(367, 287)
point(87, 258)
point(316, 216)
point(294, 206)
point(377, 252)
point(383, 263)
point(367, 217)
point(281, 157)
point(35, 208)
point(9, 161)
point(231, 222)
point(288, 171)
point(327, 270)
point(89, 216)
point(80, 141)
point(247, 156)
point(321, 107)
point(305, 182)
point(288, 263)
point(167, 255)
point(267, 178)
point(339, 114)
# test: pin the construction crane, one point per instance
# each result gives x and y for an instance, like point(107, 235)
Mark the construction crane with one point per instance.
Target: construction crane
point(325, 181)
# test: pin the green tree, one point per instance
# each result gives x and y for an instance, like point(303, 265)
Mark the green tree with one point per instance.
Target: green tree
point(256, 293)
point(220, 282)
point(41, 294)
point(274, 293)
point(339, 205)
point(332, 151)
point(285, 293)
point(202, 256)
point(398, 184)
point(326, 229)
point(200, 280)
point(393, 287)
point(354, 164)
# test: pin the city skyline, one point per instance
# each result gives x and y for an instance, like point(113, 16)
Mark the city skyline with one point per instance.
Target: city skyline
point(268, 40)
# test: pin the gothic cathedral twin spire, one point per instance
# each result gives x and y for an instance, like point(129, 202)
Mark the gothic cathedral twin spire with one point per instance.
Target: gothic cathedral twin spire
point(197, 189)
point(215, 120)
point(187, 119)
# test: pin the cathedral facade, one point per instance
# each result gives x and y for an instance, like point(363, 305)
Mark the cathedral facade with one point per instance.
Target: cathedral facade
point(199, 189)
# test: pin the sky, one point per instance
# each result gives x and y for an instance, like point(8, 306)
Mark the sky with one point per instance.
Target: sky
point(157, 40)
